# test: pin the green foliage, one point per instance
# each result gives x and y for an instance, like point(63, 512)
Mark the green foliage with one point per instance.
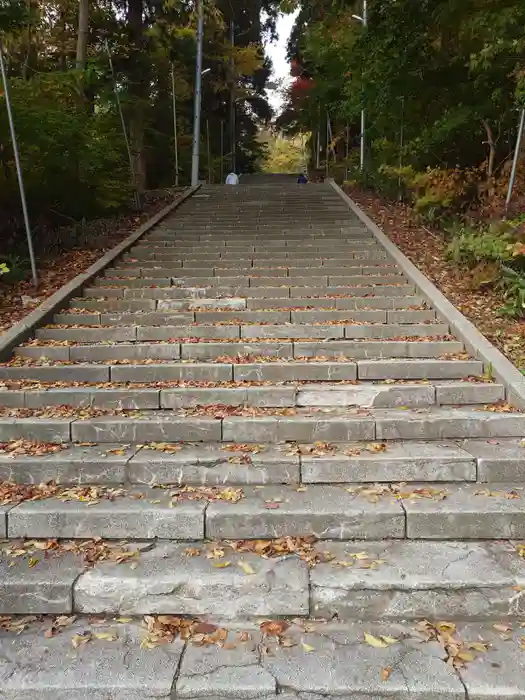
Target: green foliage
point(442, 76)
point(513, 284)
point(285, 155)
point(72, 161)
point(471, 246)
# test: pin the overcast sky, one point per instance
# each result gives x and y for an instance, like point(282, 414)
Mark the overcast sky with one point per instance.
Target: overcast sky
point(277, 52)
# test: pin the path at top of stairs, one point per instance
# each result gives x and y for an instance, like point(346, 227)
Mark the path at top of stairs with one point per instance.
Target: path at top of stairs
point(254, 431)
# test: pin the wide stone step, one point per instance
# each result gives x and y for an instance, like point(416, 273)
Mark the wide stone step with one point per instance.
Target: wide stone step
point(215, 464)
point(236, 368)
point(197, 288)
point(331, 660)
point(446, 511)
point(121, 330)
point(209, 349)
point(367, 395)
point(214, 423)
point(403, 580)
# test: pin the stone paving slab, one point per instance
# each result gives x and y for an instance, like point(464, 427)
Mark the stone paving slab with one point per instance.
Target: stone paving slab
point(502, 673)
point(309, 371)
point(379, 349)
point(54, 430)
point(399, 462)
point(144, 518)
point(148, 333)
point(111, 667)
point(350, 303)
point(336, 428)
point(210, 351)
point(325, 511)
point(125, 351)
point(270, 396)
point(155, 373)
point(342, 665)
point(152, 427)
point(168, 581)
point(443, 423)
point(36, 584)
point(118, 399)
point(417, 580)
point(62, 373)
point(367, 396)
point(90, 335)
point(210, 464)
point(418, 369)
point(469, 511)
point(499, 460)
point(74, 465)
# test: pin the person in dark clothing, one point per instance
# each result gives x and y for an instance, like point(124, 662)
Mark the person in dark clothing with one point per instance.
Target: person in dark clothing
point(302, 179)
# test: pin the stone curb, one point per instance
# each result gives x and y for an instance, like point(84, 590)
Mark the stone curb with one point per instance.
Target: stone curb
point(22, 330)
point(475, 342)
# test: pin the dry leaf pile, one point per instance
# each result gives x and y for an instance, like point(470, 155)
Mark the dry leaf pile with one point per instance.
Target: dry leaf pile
point(13, 494)
point(33, 448)
point(457, 651)
point(303, 547)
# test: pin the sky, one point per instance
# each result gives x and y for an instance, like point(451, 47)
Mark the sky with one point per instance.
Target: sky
point(277, 52)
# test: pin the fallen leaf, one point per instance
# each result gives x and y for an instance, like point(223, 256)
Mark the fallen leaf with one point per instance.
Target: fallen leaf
point(375, 642)
point(274, 628)
point(307, 647)
point(385, 673)
point(246, 568)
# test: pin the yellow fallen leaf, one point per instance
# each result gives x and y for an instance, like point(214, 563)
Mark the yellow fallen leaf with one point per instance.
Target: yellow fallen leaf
point(307, 647)
point(247, 568)
point(123, 619)
point(375, 642)
point(79, 639)
point(465, 656)
point(33, 562)
point(388, 640)
point(221, 564)
point(108, 636)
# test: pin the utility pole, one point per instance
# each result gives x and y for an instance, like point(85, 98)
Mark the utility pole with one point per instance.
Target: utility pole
point(512, 180)
point(23, 200)
point(364, 21)
point(233, 129)
point(198, 96)
point(175, 134)
point(363, 113)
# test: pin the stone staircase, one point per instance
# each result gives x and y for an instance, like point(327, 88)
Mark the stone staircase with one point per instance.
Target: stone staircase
point(254, 432)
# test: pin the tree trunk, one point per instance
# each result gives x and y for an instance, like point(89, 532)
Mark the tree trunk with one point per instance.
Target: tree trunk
point(492, 148)
point(139, 75)
point(83, 29)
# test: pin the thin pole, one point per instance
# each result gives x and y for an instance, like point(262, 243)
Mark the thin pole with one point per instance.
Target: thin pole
point(233, 115)
point(175, 135)
point(401, 142)
point(516, 158)
point(222, 150)
point(363, 113)
point(123, 123)
point(198, 99)
point(327, 141)
point(347, 150)
point(18, 168)
point(208, 148)
point(318, 149)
